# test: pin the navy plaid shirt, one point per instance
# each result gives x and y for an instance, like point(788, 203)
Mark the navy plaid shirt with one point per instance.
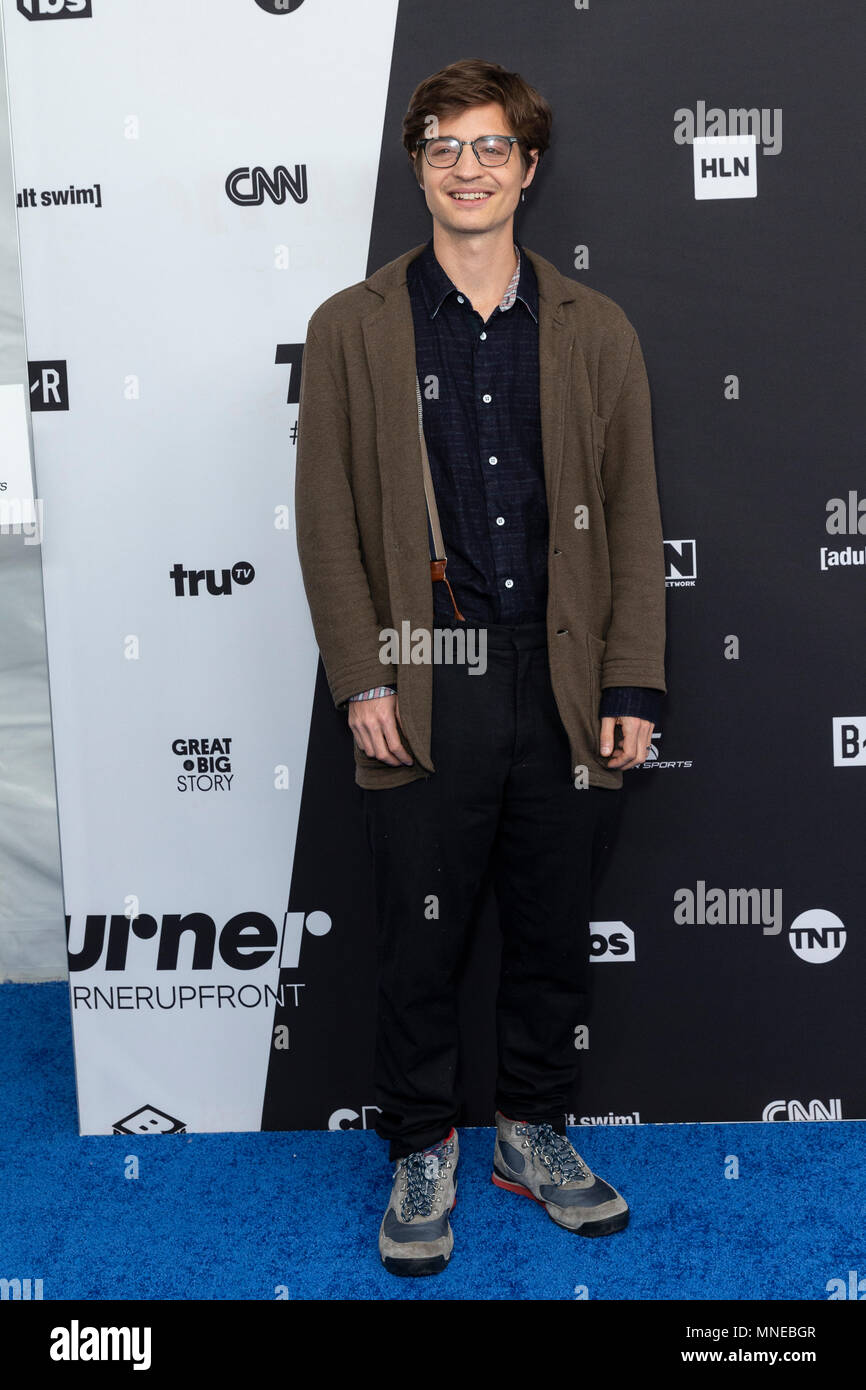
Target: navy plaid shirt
point(482, 427)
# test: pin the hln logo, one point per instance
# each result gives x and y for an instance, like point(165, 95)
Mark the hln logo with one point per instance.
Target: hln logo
point(849, 741)
point(725, 166)
point(795, 1110)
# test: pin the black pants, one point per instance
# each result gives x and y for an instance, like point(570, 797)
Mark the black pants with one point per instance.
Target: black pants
point(502, 797)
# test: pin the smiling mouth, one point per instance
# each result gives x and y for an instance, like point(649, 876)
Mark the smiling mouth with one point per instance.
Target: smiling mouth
point(479, 196)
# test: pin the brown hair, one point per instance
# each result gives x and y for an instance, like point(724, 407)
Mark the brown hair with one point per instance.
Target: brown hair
point(474, 82)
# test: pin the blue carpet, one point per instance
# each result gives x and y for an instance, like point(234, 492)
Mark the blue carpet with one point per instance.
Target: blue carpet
point(245, 1216)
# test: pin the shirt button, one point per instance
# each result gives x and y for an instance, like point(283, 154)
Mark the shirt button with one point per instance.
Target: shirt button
point(493, 459)
point(509, 583)
point(482, 336)
point(487, 399)
point(460, 299)
point(500, 521)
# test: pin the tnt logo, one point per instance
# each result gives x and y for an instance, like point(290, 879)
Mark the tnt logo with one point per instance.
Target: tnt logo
point(681, 564)
point(817, 936)
point(610, 941)
point(725, 166)
point(849, 741)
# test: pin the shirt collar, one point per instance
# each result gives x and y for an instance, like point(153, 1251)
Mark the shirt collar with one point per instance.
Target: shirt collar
point(436, 285)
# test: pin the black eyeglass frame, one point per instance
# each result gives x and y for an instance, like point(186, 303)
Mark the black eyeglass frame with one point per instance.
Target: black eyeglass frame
point(452, 139)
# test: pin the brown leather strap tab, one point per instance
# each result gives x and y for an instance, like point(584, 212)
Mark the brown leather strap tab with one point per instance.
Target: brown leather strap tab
point(437, 571)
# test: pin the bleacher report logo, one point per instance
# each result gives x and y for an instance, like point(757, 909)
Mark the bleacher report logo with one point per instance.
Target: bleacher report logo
point(681, 564)
point(849, 741)
point(193, 583)
point(817, 936)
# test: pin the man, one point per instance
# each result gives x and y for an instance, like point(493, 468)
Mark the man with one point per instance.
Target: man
point(536, 421)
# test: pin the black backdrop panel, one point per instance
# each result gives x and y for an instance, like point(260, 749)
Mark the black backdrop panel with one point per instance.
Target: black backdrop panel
point(713, 1020)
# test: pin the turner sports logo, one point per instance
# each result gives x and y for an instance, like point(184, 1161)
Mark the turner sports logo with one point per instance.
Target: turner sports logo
point(655, 763)
point(186, 943)
point(189, 582)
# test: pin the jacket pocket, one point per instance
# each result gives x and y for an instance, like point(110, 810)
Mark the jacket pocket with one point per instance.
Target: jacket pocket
point(598, 427)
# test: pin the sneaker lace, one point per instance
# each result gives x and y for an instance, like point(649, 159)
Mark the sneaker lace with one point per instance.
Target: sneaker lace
point(556, 1153)
point(421, 1172)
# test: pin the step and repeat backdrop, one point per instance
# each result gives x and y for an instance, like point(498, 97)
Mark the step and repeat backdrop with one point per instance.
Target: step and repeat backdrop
point(193, 179)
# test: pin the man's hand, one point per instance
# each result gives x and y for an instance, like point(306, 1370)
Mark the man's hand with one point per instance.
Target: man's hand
point(374, 729)
point(636, 741)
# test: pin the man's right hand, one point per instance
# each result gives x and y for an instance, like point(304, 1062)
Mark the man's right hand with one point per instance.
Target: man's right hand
point(374, 728)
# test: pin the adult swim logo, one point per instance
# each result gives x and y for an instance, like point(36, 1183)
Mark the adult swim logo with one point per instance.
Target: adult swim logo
point(250, 185)
point(846, 516)
point(206, 764)
point(188, 583)
point(681, 564)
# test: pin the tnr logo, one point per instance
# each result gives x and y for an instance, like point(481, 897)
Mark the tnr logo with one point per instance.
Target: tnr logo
point(849, 741)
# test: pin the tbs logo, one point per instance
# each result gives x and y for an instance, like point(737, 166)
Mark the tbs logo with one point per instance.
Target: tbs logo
point(610, 941)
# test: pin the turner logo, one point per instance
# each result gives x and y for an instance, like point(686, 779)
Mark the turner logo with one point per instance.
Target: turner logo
point(148, 1120)
point(849, 741)
point(248, 941)
point(610, 941)
point(817, 936)
point(249, 186)
point(795, 1110)
point(681, 564)
point(188, 582)
point(55, 9)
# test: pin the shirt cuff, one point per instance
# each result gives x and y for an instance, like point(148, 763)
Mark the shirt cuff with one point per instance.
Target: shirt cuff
point(639, 701)
point(375, 694)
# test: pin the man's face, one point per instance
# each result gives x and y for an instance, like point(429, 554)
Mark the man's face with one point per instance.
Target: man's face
point(501, 183)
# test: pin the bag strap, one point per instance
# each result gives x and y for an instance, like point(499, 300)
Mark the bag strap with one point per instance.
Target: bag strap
point(438, 558)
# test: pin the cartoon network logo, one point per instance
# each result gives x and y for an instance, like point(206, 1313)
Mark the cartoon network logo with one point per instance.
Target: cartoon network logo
point(796, 1110)
point(345, 1119)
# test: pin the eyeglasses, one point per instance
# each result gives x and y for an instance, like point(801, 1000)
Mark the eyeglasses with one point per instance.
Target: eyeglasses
point(443, 151)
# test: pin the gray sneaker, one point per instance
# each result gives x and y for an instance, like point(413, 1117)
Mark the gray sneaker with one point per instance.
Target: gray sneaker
point(415, 1237)
point(539, 1163)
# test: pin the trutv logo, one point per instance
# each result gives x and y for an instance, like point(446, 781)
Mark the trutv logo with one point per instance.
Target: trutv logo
point(55, 9)
point(188, 583)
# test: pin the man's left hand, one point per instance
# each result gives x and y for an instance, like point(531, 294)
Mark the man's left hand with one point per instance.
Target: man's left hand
point(636, 741)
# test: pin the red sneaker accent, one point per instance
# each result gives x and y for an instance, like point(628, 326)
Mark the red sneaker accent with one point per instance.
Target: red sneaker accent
point(514, 1187)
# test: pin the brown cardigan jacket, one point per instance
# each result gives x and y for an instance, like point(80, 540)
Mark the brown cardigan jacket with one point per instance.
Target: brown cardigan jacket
point(361, 518)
